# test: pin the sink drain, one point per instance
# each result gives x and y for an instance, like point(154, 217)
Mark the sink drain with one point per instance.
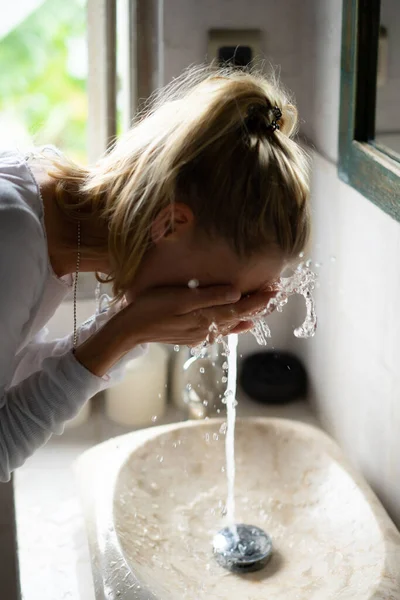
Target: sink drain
point(242, 548)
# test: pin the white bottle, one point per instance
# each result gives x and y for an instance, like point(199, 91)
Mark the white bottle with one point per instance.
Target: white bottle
point(142, 394)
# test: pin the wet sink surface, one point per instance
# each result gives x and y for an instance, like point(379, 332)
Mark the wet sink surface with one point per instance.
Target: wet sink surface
point(332, 539)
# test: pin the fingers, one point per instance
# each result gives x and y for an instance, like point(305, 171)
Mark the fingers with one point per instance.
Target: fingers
point(242, 327)
point(176, 300)
point(178, 313)
point(202, 298)
point(251, 305)
point(246, 307)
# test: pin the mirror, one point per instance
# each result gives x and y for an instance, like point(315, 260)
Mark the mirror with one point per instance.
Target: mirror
point(387, 114)
point(369, 127)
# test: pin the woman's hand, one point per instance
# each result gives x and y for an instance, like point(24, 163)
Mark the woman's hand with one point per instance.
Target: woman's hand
point(184, 316)
point(168, 315)
point(174, 315)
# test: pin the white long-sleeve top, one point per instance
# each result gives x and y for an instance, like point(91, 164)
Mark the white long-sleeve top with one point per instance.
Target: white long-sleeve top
point(42, 385)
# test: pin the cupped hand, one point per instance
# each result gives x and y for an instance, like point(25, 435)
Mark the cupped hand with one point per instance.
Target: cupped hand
point(176, 315)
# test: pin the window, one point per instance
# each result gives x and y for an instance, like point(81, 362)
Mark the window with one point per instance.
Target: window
point(69, 75)
point(369, 158)
point(43, 73)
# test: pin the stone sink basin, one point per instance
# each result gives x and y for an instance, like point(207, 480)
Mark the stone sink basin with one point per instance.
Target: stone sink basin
point(154, 499)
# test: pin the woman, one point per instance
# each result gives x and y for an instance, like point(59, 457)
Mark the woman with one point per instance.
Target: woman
point(207, 185)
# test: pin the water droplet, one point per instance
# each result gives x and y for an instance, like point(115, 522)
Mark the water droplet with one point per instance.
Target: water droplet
point(202, 370)
point(224, 379)
point(154, 418)
point(193, 283)
point(176, 348)
point(301, 255)
point(225, 366)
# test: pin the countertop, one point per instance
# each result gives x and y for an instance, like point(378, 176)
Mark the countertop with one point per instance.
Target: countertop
point(53, 553)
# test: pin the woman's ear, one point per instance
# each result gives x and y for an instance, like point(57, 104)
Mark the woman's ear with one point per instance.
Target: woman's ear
point(171, 222)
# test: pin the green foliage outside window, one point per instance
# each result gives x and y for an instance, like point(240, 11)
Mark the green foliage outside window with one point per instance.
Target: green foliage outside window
point(43, 64)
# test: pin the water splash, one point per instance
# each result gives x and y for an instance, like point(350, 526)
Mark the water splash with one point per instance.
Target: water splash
point(301, 282)
point(261, 331)
point(193, 284)
point(213, 336)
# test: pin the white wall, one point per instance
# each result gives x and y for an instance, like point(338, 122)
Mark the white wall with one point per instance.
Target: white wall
point(318, 94)
point(354, 360)
point(186, 23)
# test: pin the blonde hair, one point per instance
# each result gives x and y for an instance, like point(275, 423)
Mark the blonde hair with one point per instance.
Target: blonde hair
point(204, 140)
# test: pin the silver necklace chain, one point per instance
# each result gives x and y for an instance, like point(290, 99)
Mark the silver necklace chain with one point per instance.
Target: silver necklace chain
point(78, 262)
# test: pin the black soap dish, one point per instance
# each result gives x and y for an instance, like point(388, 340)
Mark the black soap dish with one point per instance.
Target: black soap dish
point(273, 377)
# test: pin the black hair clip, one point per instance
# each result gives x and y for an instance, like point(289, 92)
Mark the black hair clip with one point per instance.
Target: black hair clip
point(256, 114)
point(274, 125)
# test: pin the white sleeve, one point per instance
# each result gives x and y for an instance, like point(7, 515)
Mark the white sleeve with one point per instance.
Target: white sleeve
point(39, 405)
point(31, 357)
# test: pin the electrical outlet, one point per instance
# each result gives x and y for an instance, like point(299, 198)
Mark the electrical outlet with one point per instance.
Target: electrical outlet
point(235, 46)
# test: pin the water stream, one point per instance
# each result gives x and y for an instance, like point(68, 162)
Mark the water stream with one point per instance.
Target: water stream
point(231, 402)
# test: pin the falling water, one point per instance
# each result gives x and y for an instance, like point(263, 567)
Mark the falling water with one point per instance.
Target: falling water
point(231, 403)
point(302, 282)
